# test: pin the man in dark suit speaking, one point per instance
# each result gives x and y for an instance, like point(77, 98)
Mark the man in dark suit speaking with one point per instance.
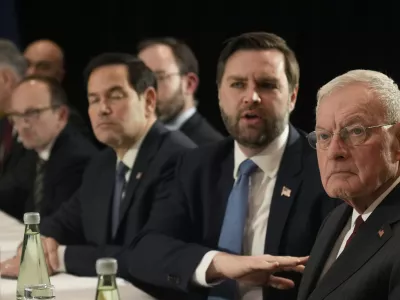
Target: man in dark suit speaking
point(254, 194)
point(357, 137)
point(114, 199)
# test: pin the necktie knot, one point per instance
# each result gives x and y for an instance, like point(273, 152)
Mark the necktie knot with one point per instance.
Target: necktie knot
point(40, 164)
point(358, 223)
point(247, 167)
point(121, 170)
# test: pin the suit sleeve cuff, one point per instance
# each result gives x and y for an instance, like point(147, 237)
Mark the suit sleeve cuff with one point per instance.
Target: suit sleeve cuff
point(61, 257)
point(199, 276)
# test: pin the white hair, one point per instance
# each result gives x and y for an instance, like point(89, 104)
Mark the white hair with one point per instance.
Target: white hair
point(381, 85)
point(12, 58)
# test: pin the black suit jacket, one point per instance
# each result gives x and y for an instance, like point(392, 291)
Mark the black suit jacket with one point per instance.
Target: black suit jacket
point(368, 268)
point(200, 131)
point(16, 153)
point(84, 222)
point(186, 220)
point(68, 158)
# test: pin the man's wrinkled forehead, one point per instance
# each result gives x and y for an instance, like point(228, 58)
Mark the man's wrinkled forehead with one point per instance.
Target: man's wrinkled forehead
point(349, 105)
point(255, 65)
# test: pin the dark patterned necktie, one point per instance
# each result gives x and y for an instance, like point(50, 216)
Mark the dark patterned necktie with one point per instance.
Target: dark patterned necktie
point(119, 191)
point(38, 184)
point(358, 223)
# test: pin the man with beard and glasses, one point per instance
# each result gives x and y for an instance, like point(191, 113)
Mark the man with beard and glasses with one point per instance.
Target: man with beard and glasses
point(177, 72)
point(232, 214)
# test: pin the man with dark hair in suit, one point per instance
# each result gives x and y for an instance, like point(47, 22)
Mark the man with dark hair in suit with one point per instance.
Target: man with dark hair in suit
point(51, 169)
point(115, 197)
point(357, 138)
point(227, 210)
point(177, 73)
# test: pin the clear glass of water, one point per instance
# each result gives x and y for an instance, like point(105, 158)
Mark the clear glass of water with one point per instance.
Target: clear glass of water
point(39, 291)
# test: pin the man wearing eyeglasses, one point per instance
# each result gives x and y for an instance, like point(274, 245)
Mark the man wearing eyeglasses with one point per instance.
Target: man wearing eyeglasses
point(176, 69)
point(357, 138)
point(51, 169)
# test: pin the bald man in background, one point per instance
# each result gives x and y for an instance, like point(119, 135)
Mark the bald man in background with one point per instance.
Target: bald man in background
point(46, 58)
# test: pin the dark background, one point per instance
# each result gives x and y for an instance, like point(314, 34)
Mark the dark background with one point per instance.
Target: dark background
point(329, 37)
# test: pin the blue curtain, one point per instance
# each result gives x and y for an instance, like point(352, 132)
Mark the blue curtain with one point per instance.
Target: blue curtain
point(8, 21)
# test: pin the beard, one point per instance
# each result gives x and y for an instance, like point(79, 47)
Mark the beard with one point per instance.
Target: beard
point(168, 109)
point(256, 136)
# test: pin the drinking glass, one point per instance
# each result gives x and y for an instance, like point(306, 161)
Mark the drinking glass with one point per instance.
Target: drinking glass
point(39, 291)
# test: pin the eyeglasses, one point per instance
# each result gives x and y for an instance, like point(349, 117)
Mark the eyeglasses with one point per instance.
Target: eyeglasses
point(30, 115)
point(353, 135)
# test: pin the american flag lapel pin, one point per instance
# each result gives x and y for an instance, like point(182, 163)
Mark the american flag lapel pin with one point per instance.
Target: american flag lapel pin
point(381, 232)
point(139, 175)
point(286, 192)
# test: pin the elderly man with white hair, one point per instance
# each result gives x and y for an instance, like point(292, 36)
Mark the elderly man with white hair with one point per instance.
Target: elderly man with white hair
point(357, 138)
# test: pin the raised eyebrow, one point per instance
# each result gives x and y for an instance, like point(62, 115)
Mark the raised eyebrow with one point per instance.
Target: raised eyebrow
point(354, 120)
point(267, 78)
point(236, 78)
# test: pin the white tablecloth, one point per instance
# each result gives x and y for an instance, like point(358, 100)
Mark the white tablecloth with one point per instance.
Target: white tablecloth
point(67, 286)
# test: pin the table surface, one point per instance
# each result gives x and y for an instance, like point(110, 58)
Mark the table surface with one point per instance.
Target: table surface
point(67, 286)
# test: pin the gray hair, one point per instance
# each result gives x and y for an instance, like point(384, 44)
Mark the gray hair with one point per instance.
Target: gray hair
point(381, 85)
point(11, 57)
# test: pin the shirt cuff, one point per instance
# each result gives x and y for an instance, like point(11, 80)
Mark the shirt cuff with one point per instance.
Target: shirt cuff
point(199, 276)
point(61, 255)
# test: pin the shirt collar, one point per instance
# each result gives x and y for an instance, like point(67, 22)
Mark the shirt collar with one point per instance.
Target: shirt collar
point(177, 123)
point(269, 159)
point(365, 215)
point(46, 152)
point(130, 156)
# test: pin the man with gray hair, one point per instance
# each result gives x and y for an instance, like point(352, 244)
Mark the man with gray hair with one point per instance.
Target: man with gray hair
point(357, 138)
point(12, 69)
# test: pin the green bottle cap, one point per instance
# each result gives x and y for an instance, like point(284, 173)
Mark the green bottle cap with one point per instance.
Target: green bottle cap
point(31, 218)
point(106, 266)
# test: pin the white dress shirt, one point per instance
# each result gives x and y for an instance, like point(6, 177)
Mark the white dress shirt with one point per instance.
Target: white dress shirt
point(129, 160)
point(177, 123)
point(46, 152)
point(262, 183)
point(349, 228)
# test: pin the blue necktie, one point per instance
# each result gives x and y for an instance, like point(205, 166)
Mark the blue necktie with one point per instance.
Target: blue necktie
point(119, 188)
point(231, 237)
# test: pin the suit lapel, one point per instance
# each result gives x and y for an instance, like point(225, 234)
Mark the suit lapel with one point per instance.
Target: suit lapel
point(368, 239)
point(191, 123)
point(286, 186)
point(220, 193)
point(50, 168)
point(103, 197)
point(146, 153)
point(322, 249)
